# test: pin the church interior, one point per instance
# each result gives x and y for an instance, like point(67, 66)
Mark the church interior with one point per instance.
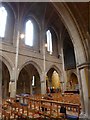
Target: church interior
point(44, 60)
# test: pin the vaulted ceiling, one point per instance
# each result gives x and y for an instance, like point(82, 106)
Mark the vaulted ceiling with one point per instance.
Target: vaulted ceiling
point(80, 11)
point(47, 15)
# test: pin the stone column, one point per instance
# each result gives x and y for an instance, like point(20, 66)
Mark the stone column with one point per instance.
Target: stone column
point(83, 82)
point(43, 83)
point(31, 87)
point(81, 94)
point(61, 54)
point(13, 83)
point(43, 52)
point(88, 71)
point(43, 87)
point(12, 89)
point(5, 88)
point(64, 75)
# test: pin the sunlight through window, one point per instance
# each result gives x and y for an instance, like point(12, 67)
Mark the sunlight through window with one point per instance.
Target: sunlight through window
point(49, 41)
point(3, 18)
point(33, 81)
point(29, 33)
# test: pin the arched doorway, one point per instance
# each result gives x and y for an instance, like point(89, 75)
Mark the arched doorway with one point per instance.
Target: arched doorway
point(28, 80)
point(53, 81)
point(5, 80)
point(73, 83)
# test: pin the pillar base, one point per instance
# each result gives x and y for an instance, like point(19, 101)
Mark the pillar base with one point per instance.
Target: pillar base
point(83, 116)
point(43, 87)
point(13, 94)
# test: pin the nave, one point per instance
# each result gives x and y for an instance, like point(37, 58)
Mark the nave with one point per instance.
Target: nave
point(44, 60)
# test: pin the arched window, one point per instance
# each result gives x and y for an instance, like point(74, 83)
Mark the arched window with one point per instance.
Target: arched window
point(49, 41)
point(33, 81)
point(29, 33)
point(3, 19)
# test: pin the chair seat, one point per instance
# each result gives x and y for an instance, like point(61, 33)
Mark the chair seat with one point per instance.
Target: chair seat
point(72, 117)
point(23, 104)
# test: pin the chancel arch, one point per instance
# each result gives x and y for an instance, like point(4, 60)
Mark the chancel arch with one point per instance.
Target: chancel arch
point(57, 68)
point(53, 78)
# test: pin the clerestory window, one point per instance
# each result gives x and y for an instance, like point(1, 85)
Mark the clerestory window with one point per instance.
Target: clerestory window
point(49, 41)
point(29, 33)
point(3, 19)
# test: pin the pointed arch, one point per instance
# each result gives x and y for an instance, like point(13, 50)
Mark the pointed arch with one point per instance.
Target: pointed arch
point(31, 29)
point(71, 26)
point(34, 64)
point(8, 23)
point(56, 68)
point(8, 63)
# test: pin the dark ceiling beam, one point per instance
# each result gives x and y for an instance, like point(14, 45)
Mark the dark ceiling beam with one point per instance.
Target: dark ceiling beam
point(43, 20)
point(50, 16)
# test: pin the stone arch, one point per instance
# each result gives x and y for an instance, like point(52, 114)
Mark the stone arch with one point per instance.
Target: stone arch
point(25, 77)
point(34, 18)
point(73, 30)
point(12, 10)
point(73, 79)
point(36, 31)
point(73, 72)
point(8, 63)
point(6, 69)
point(80, 51)
point(29, 14)
point(33, 63)
point(54, 39)
point(56, 68)
point(54, 30)
point(51, 79)
point(10, 23)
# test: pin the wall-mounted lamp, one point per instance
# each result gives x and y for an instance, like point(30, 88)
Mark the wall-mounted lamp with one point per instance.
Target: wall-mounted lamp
point(46, 45)
point(22, 36)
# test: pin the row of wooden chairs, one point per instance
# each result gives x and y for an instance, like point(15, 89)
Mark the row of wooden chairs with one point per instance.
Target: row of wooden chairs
point(51, 106)
point(29, 106)
point(66, 97)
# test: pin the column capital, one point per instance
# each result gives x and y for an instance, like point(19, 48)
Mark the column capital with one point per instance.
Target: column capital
point(12, 80)
point(83, 65)
point(42, 81)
